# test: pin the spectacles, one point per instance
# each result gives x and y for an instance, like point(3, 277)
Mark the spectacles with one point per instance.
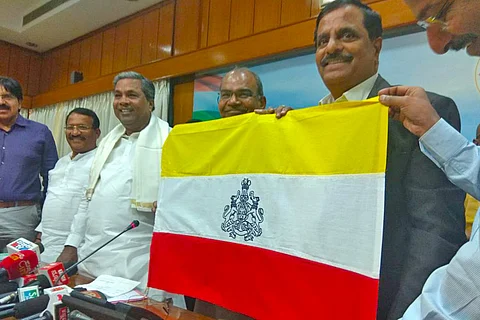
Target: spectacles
point(240, 95)
point(81, 128)
point(436, 20)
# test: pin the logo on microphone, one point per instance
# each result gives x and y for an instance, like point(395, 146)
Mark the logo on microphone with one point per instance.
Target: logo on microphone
point(21, 245)
point(243, 216)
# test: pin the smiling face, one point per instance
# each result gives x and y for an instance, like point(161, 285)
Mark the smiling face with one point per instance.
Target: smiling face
point(9, 107)
point(80, 134)
point(131, 106)
point(239, 94)
point(460, 28)
point(345, 54)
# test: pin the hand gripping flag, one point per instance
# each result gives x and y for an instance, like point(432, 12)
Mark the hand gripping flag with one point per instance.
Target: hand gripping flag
point(275, 218)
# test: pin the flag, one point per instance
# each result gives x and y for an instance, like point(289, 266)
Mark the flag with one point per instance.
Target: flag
point(275, 218)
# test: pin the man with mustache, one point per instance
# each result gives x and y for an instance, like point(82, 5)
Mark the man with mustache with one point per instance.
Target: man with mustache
point(68, 181)
point(424, 217)
point(123, 184)
point(27, 151)
point(451, 291)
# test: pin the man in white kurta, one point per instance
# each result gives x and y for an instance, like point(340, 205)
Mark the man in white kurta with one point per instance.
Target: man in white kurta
point(68, 182)
point(123, 185)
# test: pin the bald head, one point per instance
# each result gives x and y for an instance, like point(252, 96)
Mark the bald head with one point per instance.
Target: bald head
point(241, 91)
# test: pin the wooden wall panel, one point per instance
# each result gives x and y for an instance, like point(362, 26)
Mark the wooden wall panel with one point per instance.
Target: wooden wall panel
point(46, 74)
point(55, 70)
point(120, 50)
point(85, 47)
point(150, 37)
point(33, 87)
point(5, 58)
point(18, 65)
point(219, 22)
point(134, 46)
point(182, 102)
point(187, 22)
point(241, 18)
point(108, 49)
point(74, 63)
point(316, 4)
point(166, 19)
point(267, 15)
point(295, 11)
point(61, 75)
point(95, 56)
point(204, 21)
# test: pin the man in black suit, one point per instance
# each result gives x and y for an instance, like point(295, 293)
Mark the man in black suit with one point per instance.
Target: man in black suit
point(424, 222)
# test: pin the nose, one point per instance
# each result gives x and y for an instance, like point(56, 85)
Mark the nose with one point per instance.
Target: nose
point(333, 45)
point(233, 99)
point(438, 39)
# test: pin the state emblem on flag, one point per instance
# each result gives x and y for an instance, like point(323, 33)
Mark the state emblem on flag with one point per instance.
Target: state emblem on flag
point(243, 216)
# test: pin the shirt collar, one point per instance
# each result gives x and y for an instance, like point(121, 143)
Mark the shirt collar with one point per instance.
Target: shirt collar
point(359, 92)
point(81, 155)
point(21, 121)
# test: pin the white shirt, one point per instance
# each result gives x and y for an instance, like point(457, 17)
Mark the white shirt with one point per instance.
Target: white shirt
point(67, 183)
point(359, 92)
point(107, 214)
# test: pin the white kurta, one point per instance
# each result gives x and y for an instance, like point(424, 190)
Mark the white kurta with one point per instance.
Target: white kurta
point(107, 214)
point(67, 184)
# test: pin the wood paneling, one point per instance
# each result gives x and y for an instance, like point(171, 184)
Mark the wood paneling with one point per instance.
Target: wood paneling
point(187, 20)
point(316, 4)
point(85, 47)
point(267, 15)
point(134, 47)
point(33, 87)
point(18, 65)
point(120, 49)
point(46, 74)
point(165, 30)
point(394, 13)
point(182, 102)
point(150, 36)
point(219, 22)
point(295, 11)
point(204, 21)
point(108, 49)
point(95, 56)
point(74, 64)
point(5, 58)
point(241, 18)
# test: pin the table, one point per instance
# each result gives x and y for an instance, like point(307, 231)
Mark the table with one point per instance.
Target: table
point(159, 308)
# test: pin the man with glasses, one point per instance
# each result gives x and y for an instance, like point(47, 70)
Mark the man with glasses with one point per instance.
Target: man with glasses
point(68, 182)
point(424, 216)
point(27, 151)
point(241, 91)
point(451, 291)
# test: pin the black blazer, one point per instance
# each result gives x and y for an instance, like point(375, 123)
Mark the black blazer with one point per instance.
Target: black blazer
point(424, 222)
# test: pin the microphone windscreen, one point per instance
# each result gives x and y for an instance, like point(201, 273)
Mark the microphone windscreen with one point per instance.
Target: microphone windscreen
point(8, 287)
point(92, 310)
point(32, 306)
point(20, 263)
point(41, 281)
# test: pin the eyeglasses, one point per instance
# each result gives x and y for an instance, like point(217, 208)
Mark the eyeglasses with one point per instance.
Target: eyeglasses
point(436, 20)
point(240, 95)
point(81, 128)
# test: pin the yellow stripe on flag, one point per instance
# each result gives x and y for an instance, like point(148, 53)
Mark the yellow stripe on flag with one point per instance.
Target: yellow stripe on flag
point(340, 138)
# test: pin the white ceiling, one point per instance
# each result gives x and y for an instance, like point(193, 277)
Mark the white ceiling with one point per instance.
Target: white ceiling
point(68, 21)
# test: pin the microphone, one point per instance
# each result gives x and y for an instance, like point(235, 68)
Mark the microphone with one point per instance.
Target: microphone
point(40, 316)
point(18, 264)
point(8, 287)
point(92, 310)
point(23, 244)
point(26, 308)
point(132, 225)
point(77, 315)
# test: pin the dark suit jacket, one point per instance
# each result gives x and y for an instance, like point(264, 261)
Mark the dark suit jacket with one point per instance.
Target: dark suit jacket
point(424, 222)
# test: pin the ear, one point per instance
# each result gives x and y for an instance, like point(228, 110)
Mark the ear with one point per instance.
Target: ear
point(377, 46)
point(263, 102)
point(98, 132)
point(151, 103)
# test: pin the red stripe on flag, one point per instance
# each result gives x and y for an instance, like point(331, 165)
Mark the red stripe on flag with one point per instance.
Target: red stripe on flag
point(261, 283)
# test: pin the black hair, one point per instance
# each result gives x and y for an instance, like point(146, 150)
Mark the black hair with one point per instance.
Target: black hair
point(371, 19)
point(12, 86)
point(86, 112)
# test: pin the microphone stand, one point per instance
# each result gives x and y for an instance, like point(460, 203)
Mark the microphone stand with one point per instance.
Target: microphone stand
point(131, 226)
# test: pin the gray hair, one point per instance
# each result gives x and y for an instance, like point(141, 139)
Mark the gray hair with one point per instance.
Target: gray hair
point(148, 88)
